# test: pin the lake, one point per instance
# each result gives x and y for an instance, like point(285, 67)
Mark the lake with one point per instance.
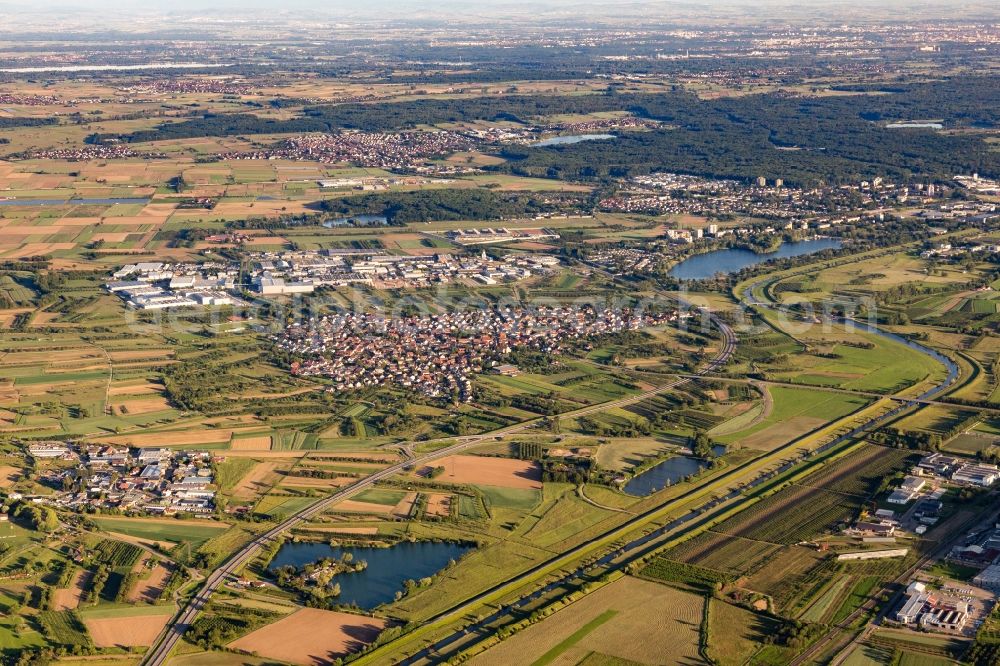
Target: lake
point(704, 266)
point(664, 474)
point(358, 221)
point(576, 138)
point(70, 202)
point(388, 568)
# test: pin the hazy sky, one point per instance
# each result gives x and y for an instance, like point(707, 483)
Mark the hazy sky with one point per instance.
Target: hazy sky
point(582, 10)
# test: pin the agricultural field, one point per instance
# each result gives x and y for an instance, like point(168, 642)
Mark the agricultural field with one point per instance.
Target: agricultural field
point(735, 634)
point(125, 627)
point(794, 413)
point(605, 622)
point(309, 635)
point(488, 471)
point(852, 358)
point(415, 195)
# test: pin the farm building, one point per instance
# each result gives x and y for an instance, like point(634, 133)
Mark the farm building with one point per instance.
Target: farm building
point(989, 578)
point(977, 474)
point(931, 611)
point(906, 492)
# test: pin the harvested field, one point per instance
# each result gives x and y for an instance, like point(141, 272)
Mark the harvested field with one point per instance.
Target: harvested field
point(307, 482)
point(127, 631)
point(9, 475)
point(405, 505)
point(151, 587)
point(439, 504)
point(607, 622)
point(311, 636)
point(69, 598)
point(172, 438)
point(142, 405)
point(775, 435)
point(736, 633)
point(354, 506)
point(482, 470)
point(258, 443)
point(258, 480)
point(368, 531)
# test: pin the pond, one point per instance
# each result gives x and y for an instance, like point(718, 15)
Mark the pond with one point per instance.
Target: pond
point(704, 266)
point(666, 473)
point(388, 568)
point(358, 221)
point(70, 202)
point(576, 138)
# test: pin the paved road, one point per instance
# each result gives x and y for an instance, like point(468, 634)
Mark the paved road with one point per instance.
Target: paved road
point(158, 653)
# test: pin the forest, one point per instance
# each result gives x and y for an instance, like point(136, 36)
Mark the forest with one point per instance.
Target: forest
point(443, 205)
point(802, 139)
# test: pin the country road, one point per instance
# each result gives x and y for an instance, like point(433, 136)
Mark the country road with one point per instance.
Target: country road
point(172, 634)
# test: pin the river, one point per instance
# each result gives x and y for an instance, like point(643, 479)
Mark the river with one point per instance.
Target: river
point(724, 262)
point(388, 568)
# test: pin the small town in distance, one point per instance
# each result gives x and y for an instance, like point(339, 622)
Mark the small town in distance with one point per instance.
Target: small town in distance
point(522, 333)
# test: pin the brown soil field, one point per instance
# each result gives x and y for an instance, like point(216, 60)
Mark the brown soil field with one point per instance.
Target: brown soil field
point(666, 618)
point(143, 405)
point(438, 504)
point(503, 472)
point(35, 249)
point(265, 454)
point(258, 443)
point(69, 598)
point(9, 475)
point(257, 480)
point(368, 531)
point(111, 237)
point(150, 588)
point(312, 636)
point(128, 631)
point(354, 506)
point(267, 240)
point(405, 505)
point(307, 482)
point(135, 389)
point(56, 355)
point(774, 436)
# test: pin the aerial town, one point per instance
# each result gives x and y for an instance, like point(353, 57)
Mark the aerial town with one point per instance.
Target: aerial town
point(437, 355)
point(581, 334)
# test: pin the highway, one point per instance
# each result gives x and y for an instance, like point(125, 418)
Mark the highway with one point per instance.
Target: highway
point(172, 634)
